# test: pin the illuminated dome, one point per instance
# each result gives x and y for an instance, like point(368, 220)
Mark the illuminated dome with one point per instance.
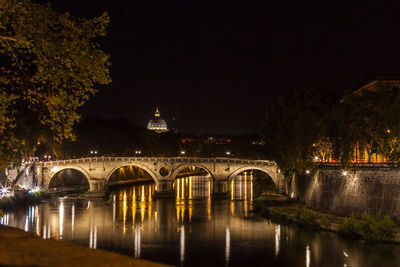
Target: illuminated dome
point(157, 123)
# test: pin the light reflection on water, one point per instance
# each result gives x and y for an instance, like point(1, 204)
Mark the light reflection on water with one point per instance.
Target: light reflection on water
point(193, 230)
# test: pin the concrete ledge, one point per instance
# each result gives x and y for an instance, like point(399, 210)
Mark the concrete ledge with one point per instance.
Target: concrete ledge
point(21, 248)
point(100, 194)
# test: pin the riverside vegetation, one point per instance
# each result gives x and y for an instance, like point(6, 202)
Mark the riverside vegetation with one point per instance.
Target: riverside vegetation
point(366, 227)
point(24, 199)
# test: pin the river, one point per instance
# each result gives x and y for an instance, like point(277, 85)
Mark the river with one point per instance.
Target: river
point(193, 230)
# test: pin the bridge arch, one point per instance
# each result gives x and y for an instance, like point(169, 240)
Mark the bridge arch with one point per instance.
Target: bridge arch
point(134, 164)
point(70, 167)
point(271, 173)
point(178, 169)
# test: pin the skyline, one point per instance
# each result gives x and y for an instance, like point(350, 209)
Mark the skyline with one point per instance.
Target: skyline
point(213, 68)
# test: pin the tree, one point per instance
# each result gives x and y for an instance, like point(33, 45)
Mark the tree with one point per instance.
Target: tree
point(295, 129)
point(367, 120)
point(50, 66)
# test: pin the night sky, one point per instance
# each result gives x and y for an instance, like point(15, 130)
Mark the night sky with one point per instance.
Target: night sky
point(213, 67)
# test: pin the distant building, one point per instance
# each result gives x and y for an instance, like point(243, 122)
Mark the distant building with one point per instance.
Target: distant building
point(157, 124)
point(219, 140)
point(377, 84)
point(188, 139)
point(258, 142)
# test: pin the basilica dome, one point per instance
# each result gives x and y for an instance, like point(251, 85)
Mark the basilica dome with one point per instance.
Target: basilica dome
point(157, 123)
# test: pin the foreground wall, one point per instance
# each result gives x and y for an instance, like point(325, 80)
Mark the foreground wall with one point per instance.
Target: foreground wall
point(368, 188)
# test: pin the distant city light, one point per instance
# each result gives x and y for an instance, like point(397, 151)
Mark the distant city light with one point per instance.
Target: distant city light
point(138, 152)
point(344, 173)
point(183, 152)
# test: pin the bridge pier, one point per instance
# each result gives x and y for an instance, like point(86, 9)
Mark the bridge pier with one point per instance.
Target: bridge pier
point(97, 185)
point(220, 189)
point(164, 189)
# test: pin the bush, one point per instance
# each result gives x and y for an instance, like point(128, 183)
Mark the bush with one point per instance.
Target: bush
point(28, 198)
point(325, 221)
point(377, 229)
point(350, 227)
point(306, 217)
point(370, 227)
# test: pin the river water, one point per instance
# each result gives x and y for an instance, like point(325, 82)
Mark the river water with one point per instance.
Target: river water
point(193, 230)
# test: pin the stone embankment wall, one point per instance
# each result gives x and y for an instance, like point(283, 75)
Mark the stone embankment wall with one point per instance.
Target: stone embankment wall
point(366, 188)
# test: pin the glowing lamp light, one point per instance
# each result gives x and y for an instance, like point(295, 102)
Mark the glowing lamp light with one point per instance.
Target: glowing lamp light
point(34, 190)
point(344, 173)
point(228, 153)
point(307, 172)
point(316, 158)
point(183, 152)
point(4, 191)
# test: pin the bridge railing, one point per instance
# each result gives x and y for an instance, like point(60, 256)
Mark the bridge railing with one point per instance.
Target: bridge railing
point(159, 159)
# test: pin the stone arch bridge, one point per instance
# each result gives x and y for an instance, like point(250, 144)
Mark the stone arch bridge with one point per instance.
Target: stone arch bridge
point(98, 170)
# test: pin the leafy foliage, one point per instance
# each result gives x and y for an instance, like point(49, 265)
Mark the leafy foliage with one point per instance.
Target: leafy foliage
point(370, 227)
point(370, 121)
point(307, 217)
point(294, 126)
point(311, 124)
point(377, 229)
point(350, 227)
point(50, 64)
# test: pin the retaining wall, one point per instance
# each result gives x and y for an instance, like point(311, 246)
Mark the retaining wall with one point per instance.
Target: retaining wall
point(369, 188)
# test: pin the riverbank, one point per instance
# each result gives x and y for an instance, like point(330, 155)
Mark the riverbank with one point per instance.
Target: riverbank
point(24, 198)
point(19, 248)
point(283, 209)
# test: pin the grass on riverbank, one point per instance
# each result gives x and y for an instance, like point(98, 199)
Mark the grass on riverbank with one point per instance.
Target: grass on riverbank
point(367, 227)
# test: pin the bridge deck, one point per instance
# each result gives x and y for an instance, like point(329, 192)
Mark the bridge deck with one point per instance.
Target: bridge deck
point(160, 159)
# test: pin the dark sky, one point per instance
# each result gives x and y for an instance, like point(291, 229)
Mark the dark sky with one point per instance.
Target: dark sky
point(213, 67)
